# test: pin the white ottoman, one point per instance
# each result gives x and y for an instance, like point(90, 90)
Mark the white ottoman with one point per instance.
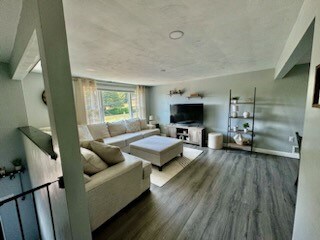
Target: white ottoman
point(157, 150)
point(215, 140)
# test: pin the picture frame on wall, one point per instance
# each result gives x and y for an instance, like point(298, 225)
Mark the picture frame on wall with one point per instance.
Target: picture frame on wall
point(316, 93)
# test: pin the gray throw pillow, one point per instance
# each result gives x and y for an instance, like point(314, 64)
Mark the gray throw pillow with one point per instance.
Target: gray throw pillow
point(91, 162)
point(109, 154)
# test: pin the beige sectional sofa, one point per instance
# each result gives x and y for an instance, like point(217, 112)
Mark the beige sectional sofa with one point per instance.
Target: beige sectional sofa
point(115, 187)
point(115, 134)
point(112, 189)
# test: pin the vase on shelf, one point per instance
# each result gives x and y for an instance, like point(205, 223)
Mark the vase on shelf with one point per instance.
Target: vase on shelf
point(238, 138)
point(246, 114)
point(234, 114)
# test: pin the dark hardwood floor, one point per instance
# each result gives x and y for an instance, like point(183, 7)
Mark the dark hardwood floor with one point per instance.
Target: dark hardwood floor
point(220, 195)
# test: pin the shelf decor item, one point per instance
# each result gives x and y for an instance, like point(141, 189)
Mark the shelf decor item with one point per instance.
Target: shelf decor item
point(235, 139)
point(195, 95)
point(234, 114)
point(246, 114)
point(235, 100)
point(238, 138)
point(17, 163)
point(246, 127)
point(235, 128)
point(176, 92)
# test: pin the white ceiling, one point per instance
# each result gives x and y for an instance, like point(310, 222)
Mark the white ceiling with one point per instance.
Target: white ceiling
point(9, 19)
point(128, 40)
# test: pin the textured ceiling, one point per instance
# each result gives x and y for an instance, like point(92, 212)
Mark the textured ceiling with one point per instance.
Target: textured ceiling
point(9, 19)
point(127, 40)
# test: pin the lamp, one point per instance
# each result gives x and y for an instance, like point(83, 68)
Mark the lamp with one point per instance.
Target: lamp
point(151, 118)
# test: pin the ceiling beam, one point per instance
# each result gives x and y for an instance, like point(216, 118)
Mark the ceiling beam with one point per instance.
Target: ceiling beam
point(25, 53)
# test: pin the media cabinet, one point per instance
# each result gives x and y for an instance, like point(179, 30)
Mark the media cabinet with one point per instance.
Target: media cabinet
point(189, 134)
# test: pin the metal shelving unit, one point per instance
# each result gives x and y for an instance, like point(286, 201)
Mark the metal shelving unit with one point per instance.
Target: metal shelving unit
point(230, 132)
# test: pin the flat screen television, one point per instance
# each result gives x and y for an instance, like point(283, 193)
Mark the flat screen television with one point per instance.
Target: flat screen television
point(189, 114)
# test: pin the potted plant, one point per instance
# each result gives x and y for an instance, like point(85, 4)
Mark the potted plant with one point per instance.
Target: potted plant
point(246, 127)
point(235, 99)
point(17, 163)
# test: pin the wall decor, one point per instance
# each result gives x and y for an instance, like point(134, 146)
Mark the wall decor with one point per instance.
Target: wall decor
point(176, 92)
point(316, 93)
point(44, 97)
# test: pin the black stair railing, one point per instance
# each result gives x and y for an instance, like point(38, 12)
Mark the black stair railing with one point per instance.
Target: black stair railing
point(32, 192)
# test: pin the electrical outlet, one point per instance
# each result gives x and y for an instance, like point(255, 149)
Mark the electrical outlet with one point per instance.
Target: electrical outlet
point(291, 139)
point(295, 149)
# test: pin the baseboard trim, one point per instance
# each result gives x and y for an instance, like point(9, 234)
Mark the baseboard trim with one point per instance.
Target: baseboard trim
point(276, 153)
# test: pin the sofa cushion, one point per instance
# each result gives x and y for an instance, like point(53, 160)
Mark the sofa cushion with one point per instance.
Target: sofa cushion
point(91, 162)
point(118, 141)
point(87, 145)
point(111, 155)
point(143, 124)
point(117, 128)
point(132, 137)
point(133, 125)
point(86, 178)
point(146, 166)
point(99, 131)
point(84, 133)
point(150, 132)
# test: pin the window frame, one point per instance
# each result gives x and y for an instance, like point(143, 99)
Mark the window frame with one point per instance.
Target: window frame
point(130, 92)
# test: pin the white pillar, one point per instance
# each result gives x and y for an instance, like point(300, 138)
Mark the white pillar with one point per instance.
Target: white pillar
point(52, 39)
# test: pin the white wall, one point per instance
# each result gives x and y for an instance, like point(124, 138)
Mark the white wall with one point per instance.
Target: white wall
point(279, 111)
point(307, 217)
point(12, 116)
point(37, 111)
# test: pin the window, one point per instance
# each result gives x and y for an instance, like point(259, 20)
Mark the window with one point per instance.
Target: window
point(118, 105)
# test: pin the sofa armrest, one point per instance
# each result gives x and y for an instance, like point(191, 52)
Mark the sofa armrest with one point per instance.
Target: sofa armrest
point(111, 173)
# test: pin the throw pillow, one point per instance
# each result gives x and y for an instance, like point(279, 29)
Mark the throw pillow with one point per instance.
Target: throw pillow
point(91, 162)
point(86, 178)
point(143, 124)
point(84, 134)
point(133, 125)
point(117, 128)
point(99, 131)
point(87, 145)
point(110, 154)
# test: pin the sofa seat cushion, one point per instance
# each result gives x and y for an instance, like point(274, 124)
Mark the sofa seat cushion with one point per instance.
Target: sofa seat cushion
point(112, 172)
point(99, 131)
point(146, 166)
point(133, 125)
point(150, 132)
point(118, 141)
point(117, 128)
point(132, 137)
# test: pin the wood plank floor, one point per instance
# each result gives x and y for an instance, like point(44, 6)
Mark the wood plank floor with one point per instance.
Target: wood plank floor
point(220, 195)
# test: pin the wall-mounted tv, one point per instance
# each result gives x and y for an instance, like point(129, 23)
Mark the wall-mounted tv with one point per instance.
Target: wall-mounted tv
point(186, 114)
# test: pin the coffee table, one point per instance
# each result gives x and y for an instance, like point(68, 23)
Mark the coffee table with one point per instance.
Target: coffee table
point(157, 150)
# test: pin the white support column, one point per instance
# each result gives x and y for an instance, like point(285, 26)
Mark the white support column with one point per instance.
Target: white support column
point(52, 39)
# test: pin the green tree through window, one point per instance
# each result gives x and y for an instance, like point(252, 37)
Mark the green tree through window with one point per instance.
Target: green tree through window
point(118, 105)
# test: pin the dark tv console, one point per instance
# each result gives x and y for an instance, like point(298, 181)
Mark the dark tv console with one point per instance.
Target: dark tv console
point(189, 134)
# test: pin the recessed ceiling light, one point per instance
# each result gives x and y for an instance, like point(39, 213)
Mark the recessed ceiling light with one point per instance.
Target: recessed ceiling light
point(177, 34)
point(90, 69)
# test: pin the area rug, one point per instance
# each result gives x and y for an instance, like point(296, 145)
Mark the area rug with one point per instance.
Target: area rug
point(173, 167)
